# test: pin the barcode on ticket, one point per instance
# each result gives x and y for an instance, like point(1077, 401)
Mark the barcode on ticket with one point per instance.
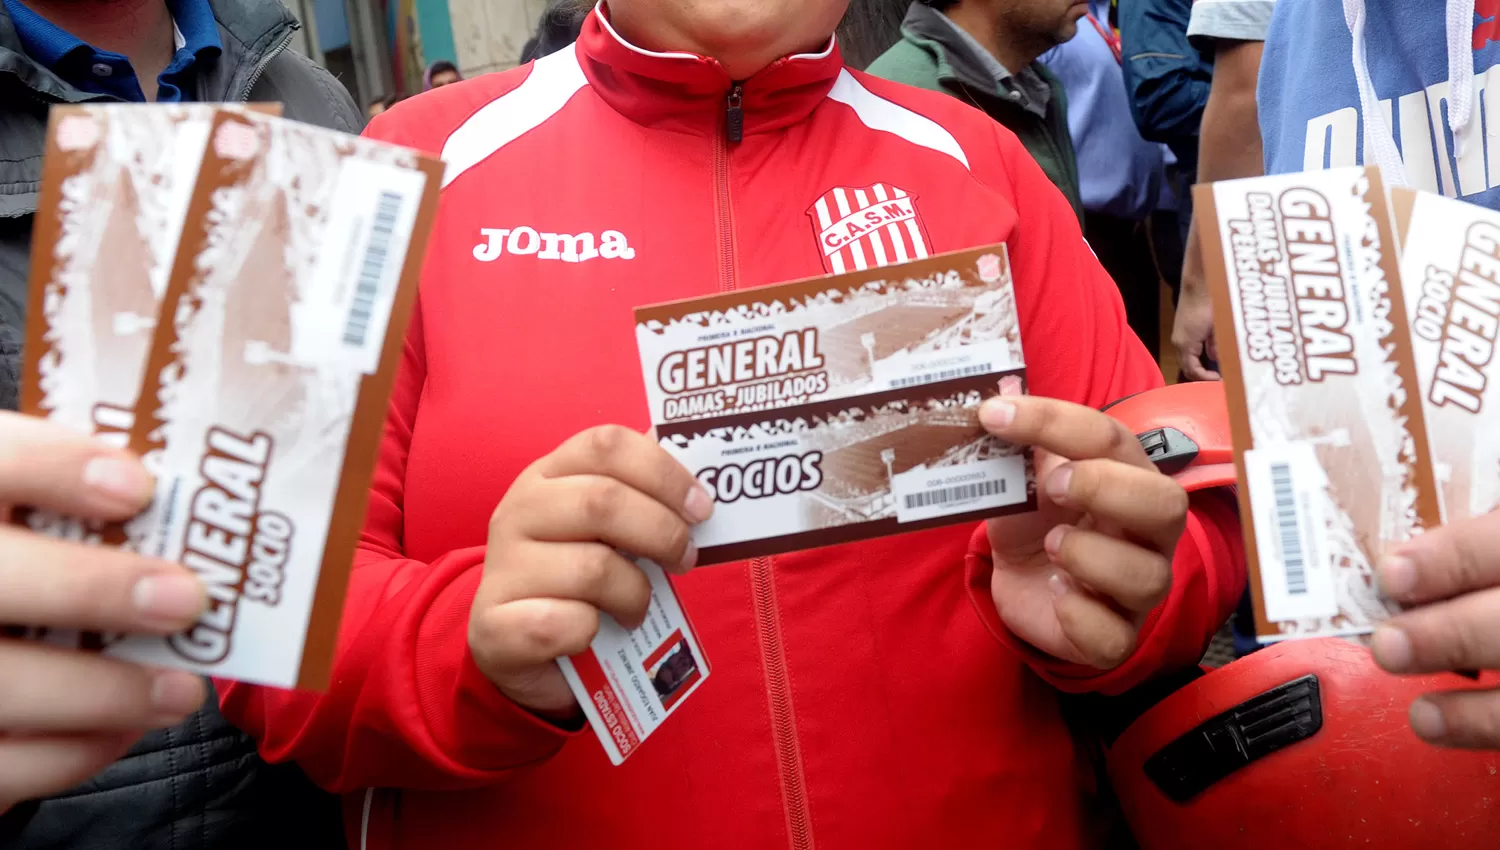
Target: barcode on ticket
point(1289, 529)
point(948, 495)
point(980, 484)
point(367, 236)
point(372, 271)
point(945, 375)
point(1286, 483)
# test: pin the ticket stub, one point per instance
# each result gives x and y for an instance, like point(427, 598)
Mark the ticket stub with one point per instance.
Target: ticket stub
point(852, 468)
point(1450, 274)
point(115, 190)
point(940, 318)
point(1323, 393)
point(630, 681)
point(266, 385)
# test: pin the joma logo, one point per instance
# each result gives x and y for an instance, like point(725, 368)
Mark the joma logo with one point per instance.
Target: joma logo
point(527, 241)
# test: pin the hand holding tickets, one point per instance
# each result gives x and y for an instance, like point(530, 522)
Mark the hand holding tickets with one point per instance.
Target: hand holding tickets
point(1077, 578)
point(786, 417)
point(1450, 266)
point(66, 714)
point(554, 562)
point(224, 292)
point(1366, 419)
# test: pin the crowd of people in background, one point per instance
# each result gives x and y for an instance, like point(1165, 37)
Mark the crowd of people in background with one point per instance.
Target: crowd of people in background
point(1122, 105)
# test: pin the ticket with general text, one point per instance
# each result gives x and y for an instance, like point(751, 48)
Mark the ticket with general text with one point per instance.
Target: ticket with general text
point(115, 188)
point(1323, 393)
point(939, 318)
point(1450, 274)
point(630, 681)
point(266, 384)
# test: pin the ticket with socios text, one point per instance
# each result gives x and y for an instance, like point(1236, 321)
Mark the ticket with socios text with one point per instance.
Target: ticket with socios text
point(1450, 273)
point(841, 408)
point(1323, 393)
point(266, 386)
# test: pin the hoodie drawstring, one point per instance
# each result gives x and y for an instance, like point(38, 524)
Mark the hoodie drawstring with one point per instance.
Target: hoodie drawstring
point(1380, 144)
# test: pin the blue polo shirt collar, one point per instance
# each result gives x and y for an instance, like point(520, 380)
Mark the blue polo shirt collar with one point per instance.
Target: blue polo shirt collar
point(194, 28)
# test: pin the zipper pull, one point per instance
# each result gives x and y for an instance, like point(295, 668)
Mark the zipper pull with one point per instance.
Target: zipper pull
point(735, 115)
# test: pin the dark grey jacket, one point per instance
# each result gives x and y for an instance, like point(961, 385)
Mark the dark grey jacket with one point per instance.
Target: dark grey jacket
point(200, 785)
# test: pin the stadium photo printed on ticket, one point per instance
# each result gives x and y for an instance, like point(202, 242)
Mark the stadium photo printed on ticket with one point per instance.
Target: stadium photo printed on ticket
point(629, 681)
point(266, 387)
point(853, 468)
point(1450, 275)
point(939, 318)
point(1323, 393)
point(116, 182)
point(115, 190)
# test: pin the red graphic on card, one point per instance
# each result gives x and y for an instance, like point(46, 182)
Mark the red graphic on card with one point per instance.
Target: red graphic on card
point(673, 670)
point(866, 228)
point(606, 702)
point(1487, 30)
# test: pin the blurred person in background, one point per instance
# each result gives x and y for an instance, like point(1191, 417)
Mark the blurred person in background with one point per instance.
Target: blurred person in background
point(68, 716)
point(440, 73)
point(984, 53)
point(378, 106)
point(1122, 177)
point(691, 147)
point(1229, 146)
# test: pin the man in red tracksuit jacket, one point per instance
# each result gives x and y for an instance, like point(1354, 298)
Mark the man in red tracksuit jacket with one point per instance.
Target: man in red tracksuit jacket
point(898, 693)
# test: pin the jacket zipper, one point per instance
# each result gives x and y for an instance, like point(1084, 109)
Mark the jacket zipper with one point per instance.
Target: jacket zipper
point(733, 133)
point(265, 62)
point(762, 575)
point(779, 696)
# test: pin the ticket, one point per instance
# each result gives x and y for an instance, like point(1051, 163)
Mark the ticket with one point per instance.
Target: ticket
point(1450, 274)
point(115, 190)
point(943, 317)
point(853, 468)
point(1323, 393)
point(630, 681)
point(267, 380)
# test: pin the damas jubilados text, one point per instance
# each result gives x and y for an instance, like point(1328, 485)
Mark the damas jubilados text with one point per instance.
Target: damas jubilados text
point(1299, 325)
point(236, 549)
point(745, 374)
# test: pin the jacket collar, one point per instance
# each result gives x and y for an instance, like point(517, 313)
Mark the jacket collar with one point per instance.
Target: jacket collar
point(689, 93)
point(964, 61)
point(249, 30)
point(252, 31)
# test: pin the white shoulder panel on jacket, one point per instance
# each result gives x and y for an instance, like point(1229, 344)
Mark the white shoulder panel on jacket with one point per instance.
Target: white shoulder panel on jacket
point(877, 113)
point(552, 83)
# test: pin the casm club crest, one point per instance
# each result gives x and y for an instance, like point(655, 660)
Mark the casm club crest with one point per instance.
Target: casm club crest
point(868, 227)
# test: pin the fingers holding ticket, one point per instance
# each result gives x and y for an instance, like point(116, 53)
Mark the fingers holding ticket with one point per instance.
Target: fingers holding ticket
point(555, 556)
point(79, 711)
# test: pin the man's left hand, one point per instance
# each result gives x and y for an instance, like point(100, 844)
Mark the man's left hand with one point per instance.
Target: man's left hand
point(1077, 578)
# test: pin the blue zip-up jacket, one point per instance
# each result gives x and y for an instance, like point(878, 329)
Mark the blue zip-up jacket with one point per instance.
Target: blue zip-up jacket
point(1167, 77)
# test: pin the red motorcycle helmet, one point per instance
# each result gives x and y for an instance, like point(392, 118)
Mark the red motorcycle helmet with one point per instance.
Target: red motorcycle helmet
point(1303, 745)
point(1185, 430)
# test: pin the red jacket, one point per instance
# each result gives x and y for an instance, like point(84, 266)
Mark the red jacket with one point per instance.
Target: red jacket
point(863, 696)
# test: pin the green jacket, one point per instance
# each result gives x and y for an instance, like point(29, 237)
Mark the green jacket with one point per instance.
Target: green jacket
point(930, 57)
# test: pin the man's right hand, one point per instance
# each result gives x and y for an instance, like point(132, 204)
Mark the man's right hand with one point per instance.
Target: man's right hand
point(555, 556)
point(66, 714)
